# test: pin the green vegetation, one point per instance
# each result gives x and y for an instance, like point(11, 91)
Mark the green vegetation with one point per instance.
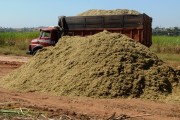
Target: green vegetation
point(166, 44)
point(166, 47)
point(16, 42)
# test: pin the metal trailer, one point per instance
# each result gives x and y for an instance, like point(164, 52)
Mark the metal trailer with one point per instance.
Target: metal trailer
point(137, 27)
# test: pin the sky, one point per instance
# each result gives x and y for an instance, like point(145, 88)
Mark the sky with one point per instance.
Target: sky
point(35, 13)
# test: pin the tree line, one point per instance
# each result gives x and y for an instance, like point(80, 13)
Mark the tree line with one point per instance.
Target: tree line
point(3, 29)
point(172, 31)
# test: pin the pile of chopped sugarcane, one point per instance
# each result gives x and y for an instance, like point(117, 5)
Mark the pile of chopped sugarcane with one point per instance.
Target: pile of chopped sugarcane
point(104, 65)
point(109, 12)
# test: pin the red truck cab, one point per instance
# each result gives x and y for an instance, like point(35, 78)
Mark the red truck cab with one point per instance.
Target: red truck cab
point(48, 37)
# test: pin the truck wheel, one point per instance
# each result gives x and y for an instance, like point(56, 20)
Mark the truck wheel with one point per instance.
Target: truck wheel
point(34, 52)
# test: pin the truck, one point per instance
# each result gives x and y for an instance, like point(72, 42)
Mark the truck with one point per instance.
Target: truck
point(137, 27)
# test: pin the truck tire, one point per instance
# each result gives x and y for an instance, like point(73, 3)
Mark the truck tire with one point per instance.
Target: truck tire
point(35, 51)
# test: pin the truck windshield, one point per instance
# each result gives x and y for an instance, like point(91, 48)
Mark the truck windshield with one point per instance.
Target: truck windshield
point(45, 34)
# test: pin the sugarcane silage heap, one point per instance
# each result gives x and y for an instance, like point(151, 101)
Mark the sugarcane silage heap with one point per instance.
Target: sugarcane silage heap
point(109, 12)
point(104, 65)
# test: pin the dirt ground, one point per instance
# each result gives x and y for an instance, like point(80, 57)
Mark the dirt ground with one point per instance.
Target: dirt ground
point(66, 108)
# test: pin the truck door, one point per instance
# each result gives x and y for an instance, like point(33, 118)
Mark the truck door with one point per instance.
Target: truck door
point(55, 35)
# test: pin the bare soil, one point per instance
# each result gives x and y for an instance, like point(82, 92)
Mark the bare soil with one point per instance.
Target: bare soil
point(81, 107)
point(9, 63)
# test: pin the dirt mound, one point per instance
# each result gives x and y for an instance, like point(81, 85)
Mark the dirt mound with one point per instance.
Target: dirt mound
point(109, 12)
point(104, 65)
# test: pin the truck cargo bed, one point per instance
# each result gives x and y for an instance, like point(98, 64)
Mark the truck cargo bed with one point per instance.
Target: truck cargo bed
point(138, 27)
